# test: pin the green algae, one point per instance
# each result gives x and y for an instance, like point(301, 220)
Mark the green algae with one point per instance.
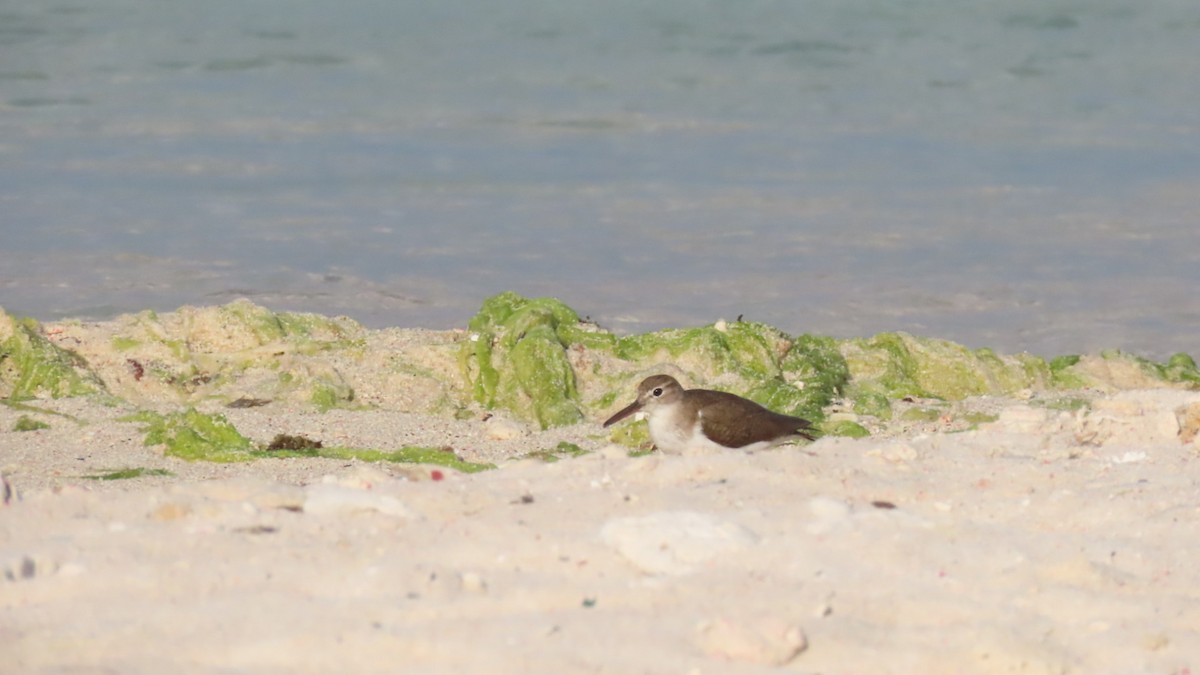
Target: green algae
point(748, 349)
point(799, 376)
point(1115, 369)
point(27, 423)
point(537, 359)
point(126, 474)
point(196, 353)
point(544, 375)
point(974, 419)
point(847, 428)
point(325, 396)
point(406, 455)
point(561, 451)
point(872, 402)
point(516, 358)
point(1178, 369)
point(1062, 373)
point(305, 331)
point(818, 365)
point(195, 436)
point(1068, 403)
point(33, 367)
point(25, 407)
point(121, 343)
point(632, 435)
point(891, 366)
point(921, 415)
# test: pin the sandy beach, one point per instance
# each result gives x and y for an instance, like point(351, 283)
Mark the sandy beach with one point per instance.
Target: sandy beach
point(992, 533)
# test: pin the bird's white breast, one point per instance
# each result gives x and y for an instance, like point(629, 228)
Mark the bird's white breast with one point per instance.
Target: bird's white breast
point(676, 436)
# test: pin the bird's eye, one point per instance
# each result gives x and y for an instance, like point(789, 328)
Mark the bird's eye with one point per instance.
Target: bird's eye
point(658, 391)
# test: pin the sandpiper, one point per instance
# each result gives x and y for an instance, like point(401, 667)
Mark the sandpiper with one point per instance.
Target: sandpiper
point(701, 420)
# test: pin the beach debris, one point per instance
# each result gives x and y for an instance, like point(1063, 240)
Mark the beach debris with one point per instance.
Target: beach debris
point(256, 529)
point(25, 567)
point(247, 402)
point(125, 474)
point(289, 442)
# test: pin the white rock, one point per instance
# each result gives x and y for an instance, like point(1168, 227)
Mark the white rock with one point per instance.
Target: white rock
point(674, 542)
point(766, 639)
point(360, 477)
point(500, 429)
point(472, 582)
point(827, 514)
point(1021, 419)
point(1135, 418)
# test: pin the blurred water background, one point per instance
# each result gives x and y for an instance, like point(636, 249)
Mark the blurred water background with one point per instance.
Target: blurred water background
point(1023, 175)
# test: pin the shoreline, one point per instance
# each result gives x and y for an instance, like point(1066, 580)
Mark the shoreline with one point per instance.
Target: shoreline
point(1025, 532)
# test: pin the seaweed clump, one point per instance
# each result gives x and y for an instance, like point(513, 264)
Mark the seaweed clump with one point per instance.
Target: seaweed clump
point(290, 442)
point(27, 423)
point(196, 352)
point(892, 366)
point(515, 357)
point(194, 436)
point(536, 358)
point(126, 474)
point(31, 366)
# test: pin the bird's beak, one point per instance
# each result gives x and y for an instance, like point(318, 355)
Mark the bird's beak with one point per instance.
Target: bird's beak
point(623, 413)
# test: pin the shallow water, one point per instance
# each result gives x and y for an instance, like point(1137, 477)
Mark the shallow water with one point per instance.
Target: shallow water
point(1021, 176)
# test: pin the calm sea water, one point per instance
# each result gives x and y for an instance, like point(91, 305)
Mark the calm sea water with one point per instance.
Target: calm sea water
point(1023, 175)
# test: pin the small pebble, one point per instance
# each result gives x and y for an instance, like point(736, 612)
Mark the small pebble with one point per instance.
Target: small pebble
point(768, 640)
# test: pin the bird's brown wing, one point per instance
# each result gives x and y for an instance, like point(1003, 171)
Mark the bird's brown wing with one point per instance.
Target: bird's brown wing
point(728, 421)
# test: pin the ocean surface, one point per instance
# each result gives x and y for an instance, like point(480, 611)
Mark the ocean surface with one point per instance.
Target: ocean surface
point(1023, 175)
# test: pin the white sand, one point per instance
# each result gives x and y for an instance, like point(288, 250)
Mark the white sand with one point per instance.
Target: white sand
point(1043, 543)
